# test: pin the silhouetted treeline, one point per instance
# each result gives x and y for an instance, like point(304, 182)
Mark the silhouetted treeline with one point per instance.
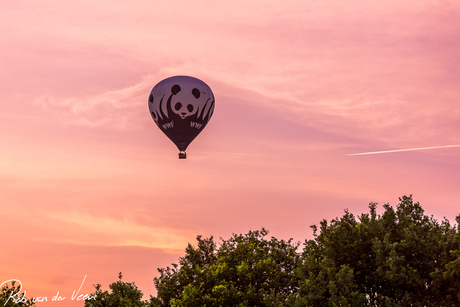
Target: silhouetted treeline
point(399, 258)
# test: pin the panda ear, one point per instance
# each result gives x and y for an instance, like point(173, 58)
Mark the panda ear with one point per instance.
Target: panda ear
point(196, 93)
point(175, 89)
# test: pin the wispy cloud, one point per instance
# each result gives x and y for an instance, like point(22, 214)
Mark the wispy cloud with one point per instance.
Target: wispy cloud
point(107, 231)
point(113, 108)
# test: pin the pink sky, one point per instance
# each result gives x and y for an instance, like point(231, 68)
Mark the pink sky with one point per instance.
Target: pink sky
point(90, 186)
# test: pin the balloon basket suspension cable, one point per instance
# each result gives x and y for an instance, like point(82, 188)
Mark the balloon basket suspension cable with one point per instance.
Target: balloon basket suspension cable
point(182, 155)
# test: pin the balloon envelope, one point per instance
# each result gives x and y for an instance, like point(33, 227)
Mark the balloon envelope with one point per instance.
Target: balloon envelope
point(181, 106)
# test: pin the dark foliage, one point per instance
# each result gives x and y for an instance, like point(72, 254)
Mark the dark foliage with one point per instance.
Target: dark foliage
point(11, 291)
point(399, 258)
point(124, 294)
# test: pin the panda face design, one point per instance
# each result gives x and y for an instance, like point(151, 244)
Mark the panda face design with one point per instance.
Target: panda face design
point(181, 104)
point(182, 110)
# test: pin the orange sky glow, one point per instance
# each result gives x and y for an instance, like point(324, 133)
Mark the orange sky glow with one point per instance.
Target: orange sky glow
point(89, 186)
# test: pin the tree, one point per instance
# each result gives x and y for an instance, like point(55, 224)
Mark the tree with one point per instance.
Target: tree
point(9, 289)
point(401, 258)
point(245, 270)
point(123, 294)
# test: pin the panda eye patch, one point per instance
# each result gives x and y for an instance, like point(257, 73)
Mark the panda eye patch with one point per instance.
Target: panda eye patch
point(190, 108)
point(178, 106)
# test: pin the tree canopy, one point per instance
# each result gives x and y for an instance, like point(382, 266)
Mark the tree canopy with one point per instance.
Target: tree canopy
point(123, 294)
point(246, 270)
point(399, 258)
point(11, 294)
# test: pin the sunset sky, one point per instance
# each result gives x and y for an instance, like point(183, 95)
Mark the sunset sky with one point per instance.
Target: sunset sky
point(90, 186)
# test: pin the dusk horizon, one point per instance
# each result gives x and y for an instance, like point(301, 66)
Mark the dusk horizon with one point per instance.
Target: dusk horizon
point(319, 107)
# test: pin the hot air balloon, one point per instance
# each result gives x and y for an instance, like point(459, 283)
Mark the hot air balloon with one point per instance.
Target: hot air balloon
point(181, 106)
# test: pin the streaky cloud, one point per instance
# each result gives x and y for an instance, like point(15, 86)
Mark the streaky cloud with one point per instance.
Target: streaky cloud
point(400, 150)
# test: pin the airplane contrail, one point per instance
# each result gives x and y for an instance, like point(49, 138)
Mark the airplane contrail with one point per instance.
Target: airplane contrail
point(399, 150)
